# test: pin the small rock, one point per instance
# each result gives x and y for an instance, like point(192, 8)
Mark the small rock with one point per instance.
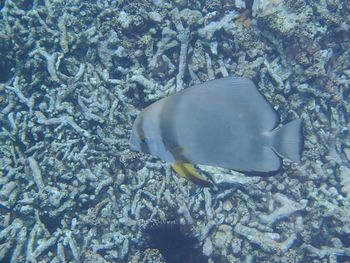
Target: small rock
point(155, 16)
point(236, 245)
point(7, 189)
point(227, 206)
point(180, 3)
point(240, 4)
point(121, 52)
point(207, 247)
point(344, 174)
point(347, 153)
point(223, 236)
point(192, 17)
point(120, 178)
point(124, 20)
point(55, 195)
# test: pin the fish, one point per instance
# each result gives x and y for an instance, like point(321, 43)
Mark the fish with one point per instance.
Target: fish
point(224, 123)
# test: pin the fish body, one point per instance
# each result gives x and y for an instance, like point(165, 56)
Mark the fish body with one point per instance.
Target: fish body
point(224, 123)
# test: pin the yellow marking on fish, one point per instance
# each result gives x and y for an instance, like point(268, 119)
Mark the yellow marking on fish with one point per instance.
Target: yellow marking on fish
point(189, 172)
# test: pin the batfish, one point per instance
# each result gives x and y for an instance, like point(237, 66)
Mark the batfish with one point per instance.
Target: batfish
point(225, 123)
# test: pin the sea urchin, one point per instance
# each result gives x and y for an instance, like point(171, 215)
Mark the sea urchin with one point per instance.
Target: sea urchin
point(176, 242)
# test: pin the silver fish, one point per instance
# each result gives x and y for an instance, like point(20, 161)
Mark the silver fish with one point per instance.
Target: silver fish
point(224, 123)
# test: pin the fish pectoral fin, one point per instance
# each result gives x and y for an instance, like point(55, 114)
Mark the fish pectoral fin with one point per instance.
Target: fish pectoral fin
point(189, 172)
point(178, 152)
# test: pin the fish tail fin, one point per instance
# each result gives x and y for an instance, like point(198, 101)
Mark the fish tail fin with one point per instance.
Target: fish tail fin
point(288, 140)
point(187, 171)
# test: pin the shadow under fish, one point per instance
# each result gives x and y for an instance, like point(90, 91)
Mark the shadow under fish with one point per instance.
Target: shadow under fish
point(224, 123)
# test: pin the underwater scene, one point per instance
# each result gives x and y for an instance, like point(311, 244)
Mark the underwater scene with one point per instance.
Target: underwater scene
point(183, 131)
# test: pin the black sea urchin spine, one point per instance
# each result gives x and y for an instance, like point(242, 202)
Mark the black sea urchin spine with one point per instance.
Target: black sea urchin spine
point(176, 242)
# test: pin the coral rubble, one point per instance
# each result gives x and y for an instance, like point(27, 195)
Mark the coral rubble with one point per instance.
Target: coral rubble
point(74, 75)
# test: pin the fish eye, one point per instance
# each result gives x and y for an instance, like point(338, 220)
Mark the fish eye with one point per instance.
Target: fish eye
point(144, 144)
point(146, 141)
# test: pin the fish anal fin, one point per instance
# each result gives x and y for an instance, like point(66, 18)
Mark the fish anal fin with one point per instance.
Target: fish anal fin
point(189, 172)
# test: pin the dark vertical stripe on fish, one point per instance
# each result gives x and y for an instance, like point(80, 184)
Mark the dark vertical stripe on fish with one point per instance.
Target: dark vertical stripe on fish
point(167, 130)
point(141, 133)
